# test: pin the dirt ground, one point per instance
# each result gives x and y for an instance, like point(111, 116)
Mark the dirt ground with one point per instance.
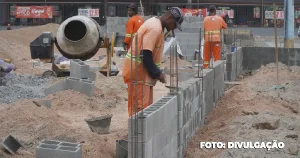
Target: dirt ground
point(64, 121)
point(15, 44)
point(252, 112)
point(245, 113)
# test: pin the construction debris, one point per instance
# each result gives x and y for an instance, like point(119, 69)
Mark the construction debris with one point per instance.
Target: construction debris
point(11, 144)
point(99, 125)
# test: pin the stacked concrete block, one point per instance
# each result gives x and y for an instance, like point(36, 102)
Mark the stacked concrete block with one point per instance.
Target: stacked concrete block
point(239, 61)
point(219, 68)
point(208, 87)
point(171, 122)
point(231, 66)
point(58, 149)
point(255, 57)
point(191, 98)
point(159, 126)
point(79, 69)
point(81, 79)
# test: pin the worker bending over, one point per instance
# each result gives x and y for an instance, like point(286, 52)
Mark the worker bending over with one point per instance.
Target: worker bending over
point(133, 24)
point(150, 44)
point(212, 38)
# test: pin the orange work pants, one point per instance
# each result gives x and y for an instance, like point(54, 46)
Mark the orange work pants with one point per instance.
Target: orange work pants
point(211, 48)
point(142, 95)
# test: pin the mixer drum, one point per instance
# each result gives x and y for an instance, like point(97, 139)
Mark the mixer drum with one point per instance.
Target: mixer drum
point(78, 37)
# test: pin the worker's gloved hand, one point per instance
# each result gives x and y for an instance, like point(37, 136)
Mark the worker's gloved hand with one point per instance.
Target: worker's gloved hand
point(162, 78)
point(125, 46)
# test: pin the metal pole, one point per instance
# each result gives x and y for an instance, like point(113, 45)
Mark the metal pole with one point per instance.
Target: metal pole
point(276, 48)
point(199, 55)
point(289, 23)
point(262, 12)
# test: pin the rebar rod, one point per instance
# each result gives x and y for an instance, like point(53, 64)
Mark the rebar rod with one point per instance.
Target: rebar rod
point(276, 48)
point(136, 97)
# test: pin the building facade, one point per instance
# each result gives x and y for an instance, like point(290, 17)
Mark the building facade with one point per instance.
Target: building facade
point(244, 13)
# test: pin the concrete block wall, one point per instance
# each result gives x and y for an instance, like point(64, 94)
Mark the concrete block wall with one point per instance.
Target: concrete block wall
point(58, 149)
point(231, 66)
point(252, 58)
point(165, 127)
point(255, 57)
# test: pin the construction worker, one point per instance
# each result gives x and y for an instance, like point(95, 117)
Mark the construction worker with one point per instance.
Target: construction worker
point(141, 77)
point(212, 38)
point(133, 24)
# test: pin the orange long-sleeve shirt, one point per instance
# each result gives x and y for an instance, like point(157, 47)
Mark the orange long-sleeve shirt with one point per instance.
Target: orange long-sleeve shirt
point(212, 27)
point(132, 26)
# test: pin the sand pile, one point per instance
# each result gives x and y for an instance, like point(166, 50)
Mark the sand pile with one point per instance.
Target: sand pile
point(15, 44)
point(249, 113)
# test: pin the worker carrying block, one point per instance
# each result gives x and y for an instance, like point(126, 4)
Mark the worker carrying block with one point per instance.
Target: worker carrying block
point(150, 43)
point(133, 24)
point(212, 36)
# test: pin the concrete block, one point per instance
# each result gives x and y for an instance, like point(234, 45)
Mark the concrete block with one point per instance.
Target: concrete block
point(180, 152)
point(174, 147)
point(159, 142)
point(209, 105)
point(180, 119)
point(59, 86)
point(79, 69)
point(208, 76)
point(195, 105)
point(229, 57)
point(73, 83)
point(230, 66)
point(187, 95)
point(86, 87)
point(11, 144)
point(180, 101)
point(199, 88)
point(171, 110)
point(239, 60)
point(208, 92)
point(189, 110)
point(184, 115)
point(57, 149)
point(170, 130)
point(203, 111)
point(199, 117)
point(144, 149)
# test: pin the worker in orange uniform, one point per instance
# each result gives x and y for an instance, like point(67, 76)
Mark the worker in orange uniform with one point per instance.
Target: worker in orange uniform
point(133, 24)
point(212, 38)
point(140, 74)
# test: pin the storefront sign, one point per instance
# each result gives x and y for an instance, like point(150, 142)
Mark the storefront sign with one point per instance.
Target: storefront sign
point(256, 12)
point(12, 10)
point(44, 12)
point(270, 14)
point(230, 13)
point(194, 12)
point(89, 12)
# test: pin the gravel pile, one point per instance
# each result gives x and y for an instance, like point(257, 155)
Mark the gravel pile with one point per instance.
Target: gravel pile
point(17, 87)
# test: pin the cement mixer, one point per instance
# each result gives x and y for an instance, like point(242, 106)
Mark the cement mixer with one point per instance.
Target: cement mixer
point(78, 37)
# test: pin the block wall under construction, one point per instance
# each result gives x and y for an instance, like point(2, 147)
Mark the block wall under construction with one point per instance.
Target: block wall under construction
point(165, 127)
